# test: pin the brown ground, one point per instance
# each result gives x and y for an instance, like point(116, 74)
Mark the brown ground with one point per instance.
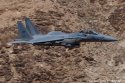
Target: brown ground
point(91, 63)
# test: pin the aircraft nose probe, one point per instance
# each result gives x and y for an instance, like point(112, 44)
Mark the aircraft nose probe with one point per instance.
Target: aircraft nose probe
point(109, 38)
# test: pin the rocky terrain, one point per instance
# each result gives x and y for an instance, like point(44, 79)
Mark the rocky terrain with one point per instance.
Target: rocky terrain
point(91, 63)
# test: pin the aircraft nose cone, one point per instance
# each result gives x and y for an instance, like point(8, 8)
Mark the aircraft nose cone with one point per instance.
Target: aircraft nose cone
point(109, 38)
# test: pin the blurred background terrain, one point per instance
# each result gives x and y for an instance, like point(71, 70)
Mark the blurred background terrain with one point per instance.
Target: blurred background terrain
point(91, 63)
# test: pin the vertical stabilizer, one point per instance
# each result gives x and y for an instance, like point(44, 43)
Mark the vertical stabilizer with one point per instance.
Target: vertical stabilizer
point(23, 33)
point(30, 27)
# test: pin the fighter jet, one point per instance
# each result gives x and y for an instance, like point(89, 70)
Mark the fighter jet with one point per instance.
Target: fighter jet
point(29, 34)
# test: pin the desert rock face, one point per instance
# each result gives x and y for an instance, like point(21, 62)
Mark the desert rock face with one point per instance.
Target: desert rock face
point(92, 62)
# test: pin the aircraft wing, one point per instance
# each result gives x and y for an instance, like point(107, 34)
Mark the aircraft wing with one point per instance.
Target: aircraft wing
point(50, 38)
point(47, 39)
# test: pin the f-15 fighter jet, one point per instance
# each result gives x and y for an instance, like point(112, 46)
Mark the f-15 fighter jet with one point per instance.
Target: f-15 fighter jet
point(30, 35)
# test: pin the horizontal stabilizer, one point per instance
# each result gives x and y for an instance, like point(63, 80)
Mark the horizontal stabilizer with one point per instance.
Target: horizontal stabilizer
point(19, 42)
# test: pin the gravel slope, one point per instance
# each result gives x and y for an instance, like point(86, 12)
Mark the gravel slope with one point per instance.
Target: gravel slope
point(91, 63)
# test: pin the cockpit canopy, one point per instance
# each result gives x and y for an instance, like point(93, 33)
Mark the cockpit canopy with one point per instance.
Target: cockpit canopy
point(89, 32)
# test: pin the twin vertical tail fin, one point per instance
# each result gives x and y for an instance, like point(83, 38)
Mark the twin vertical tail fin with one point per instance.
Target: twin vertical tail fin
point(31, 27)
point(23, 32)
point(26, 33)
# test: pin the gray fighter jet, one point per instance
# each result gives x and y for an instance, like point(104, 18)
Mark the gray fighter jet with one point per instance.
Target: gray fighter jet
point(30, 35)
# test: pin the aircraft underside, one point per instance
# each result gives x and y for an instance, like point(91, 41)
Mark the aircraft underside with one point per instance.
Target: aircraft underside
point(57, 43)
